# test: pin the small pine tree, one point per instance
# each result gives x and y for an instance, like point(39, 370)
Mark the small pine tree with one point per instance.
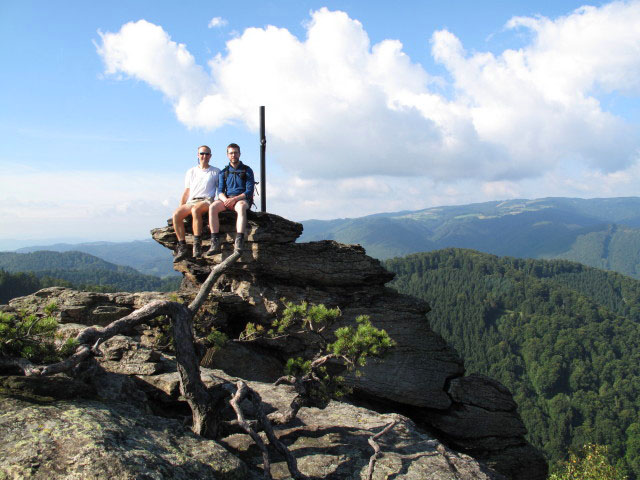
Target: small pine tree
point(590, 463)
point(311, 378)
point(33, 338)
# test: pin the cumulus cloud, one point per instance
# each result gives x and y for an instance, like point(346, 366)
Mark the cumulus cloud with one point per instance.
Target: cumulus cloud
point(217, 22)
point(339, 106)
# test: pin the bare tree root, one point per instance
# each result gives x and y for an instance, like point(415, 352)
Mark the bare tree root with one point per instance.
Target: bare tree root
point(301, 386)
point(292, 464)
point(23, 364)
point(282, 418)
point(240, 394)
point(376, 447)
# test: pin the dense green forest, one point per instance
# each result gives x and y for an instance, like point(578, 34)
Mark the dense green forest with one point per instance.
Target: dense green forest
point(19, 284)
point(563, 337)
point(77, 270)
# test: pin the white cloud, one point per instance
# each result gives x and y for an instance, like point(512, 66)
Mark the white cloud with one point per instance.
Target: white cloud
point(217, 22)
point(145, 51)
point(339, 106)
point(98, 205)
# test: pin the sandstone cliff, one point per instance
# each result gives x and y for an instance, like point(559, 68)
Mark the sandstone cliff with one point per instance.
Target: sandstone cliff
point(123, 416)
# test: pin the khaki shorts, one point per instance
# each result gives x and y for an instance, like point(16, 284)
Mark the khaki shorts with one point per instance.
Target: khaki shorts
point(195, 200)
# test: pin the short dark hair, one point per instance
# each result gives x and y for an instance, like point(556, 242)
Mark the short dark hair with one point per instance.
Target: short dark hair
point(233, 145)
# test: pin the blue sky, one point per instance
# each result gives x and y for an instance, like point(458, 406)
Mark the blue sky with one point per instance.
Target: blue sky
point(371, 107)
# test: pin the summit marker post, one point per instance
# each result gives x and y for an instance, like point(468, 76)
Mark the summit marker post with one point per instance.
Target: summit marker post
point(263, 173)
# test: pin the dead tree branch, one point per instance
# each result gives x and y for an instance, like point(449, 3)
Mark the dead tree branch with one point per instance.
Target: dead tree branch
point(125, 324)
point(240, 394)
point(211, 279)
point(376, 447)
point(292, 464)
point(23, 364)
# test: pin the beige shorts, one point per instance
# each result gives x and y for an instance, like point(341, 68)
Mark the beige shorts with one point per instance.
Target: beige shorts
point(195, 200)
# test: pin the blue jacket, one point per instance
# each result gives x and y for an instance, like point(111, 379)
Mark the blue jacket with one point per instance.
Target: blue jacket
point(234, 181)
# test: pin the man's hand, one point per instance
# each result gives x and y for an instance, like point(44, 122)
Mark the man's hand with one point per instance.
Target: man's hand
point(230, 202)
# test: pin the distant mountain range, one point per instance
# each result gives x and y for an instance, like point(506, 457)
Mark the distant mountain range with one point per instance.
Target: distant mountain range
point(84, 271)
point(599, 232)
point(146, 256)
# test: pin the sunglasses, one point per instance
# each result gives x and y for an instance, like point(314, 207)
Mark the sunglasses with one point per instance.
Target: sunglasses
point(204, 153)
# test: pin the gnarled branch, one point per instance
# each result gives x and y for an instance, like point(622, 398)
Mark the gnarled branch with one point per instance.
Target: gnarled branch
point(215, 273)
point(376, 447)
point(203, 404)
point(241, 392)
point(292, 464)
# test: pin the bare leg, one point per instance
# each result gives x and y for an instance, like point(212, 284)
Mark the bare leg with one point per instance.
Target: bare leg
point(196, 212)
point(241, 208)
point(178, 220)
point(214, 222)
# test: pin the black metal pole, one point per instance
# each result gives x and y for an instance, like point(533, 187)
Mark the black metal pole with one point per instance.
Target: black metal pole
point(263, 173)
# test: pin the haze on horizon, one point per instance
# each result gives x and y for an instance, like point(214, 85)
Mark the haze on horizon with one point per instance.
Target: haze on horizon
point(369, 109)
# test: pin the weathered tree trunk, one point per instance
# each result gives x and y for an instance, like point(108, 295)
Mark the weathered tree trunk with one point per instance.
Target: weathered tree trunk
point(204, 409)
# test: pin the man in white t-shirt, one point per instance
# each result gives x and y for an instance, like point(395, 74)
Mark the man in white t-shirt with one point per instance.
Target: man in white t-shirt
point(200, 188)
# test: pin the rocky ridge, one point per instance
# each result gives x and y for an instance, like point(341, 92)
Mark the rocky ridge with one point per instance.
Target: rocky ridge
point(423, 377)
point(443, 411)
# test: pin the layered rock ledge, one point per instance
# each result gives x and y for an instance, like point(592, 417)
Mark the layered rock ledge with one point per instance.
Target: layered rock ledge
point(423, 377)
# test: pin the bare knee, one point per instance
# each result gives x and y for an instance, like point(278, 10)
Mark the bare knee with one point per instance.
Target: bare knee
point(241, 207)
point(180, 214)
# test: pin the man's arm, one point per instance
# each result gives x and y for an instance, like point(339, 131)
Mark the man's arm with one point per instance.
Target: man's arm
point(222, 186)
point(185, 196)
point(249, 185)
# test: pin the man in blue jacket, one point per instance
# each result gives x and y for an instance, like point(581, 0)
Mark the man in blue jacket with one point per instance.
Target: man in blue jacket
point(235, 193)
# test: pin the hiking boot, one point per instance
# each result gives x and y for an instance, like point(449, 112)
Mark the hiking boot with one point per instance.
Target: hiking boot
point(197, 247)
point(181, 252)
point(216, 246)
point(239, 243)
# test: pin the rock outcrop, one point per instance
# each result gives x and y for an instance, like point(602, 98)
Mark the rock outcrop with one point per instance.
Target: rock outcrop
point(44, 437)
point(56, 427)
point(114, 414)
point(423, 377)
point(85, 308)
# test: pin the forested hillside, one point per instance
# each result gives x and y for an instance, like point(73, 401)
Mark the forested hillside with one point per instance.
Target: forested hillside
point(600, 232)
point(19, 284)
point(564, 338)
point(83, 271)
point(146, 256)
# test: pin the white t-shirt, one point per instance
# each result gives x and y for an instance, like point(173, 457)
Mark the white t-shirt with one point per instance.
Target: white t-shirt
point(202, 183)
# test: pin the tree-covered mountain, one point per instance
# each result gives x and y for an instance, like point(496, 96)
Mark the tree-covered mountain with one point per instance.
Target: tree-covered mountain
point(83, 271)
point(600, 232)
point(146, 256)
point(563, 337)
point(20, 284)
